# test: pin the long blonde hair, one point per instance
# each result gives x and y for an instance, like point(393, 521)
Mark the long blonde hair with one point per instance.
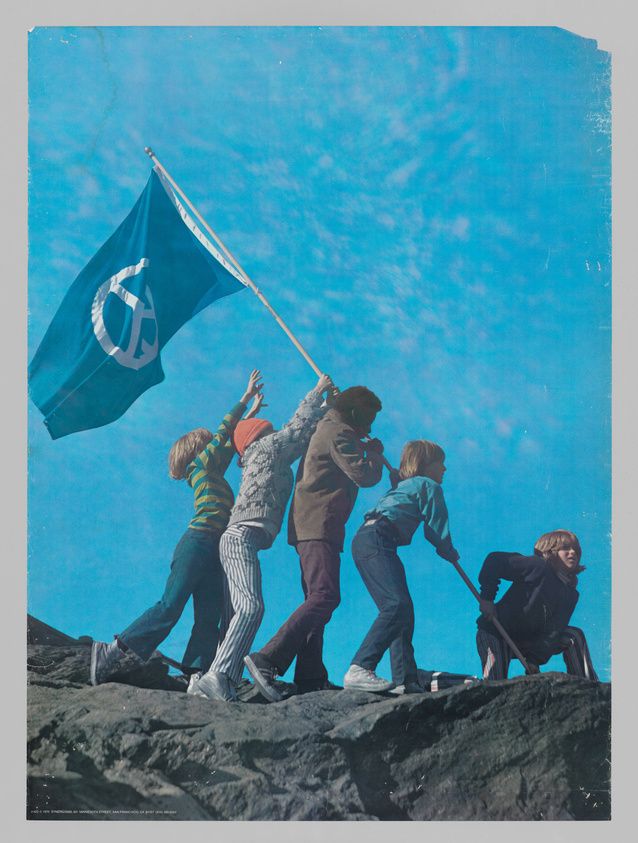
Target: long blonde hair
point(185, 450)
point(549, 544)
point(417, 455)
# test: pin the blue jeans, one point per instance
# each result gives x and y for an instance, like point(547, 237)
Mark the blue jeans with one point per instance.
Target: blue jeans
point(197, 571)
point(374, 549)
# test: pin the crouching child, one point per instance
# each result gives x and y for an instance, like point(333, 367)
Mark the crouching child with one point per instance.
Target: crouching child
point(535, 610)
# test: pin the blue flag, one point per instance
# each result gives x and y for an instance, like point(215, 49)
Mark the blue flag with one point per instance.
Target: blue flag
point(102, 349)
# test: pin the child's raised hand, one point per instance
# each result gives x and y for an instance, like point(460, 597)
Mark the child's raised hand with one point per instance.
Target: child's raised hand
point(258, 403)
point(324, 384)
point(254, 386)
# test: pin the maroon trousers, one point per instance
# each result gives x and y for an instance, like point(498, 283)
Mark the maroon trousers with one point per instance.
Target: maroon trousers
point(302, 634)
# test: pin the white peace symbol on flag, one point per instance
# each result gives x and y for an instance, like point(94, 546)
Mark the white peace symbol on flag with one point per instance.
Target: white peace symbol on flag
point(126, 356)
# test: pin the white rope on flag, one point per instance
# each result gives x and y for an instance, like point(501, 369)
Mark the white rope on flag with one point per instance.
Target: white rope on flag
point(190, 223)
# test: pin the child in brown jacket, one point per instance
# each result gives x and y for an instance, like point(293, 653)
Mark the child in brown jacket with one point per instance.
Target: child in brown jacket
point(336, 464)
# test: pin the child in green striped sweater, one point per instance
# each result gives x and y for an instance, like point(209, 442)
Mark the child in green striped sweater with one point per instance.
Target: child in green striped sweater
point(201, 458)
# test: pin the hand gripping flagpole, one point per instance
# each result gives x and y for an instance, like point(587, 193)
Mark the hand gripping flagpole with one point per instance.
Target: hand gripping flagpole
point(493, 619)
point(244, 275)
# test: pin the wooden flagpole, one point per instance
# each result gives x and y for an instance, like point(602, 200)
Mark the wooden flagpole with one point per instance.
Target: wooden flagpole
point(244, 275)
point(234, 260)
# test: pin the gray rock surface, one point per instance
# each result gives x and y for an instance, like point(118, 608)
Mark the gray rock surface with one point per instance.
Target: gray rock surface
point(529, 748)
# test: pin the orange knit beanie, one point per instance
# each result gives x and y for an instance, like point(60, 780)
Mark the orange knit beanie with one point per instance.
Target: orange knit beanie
point(247, 431)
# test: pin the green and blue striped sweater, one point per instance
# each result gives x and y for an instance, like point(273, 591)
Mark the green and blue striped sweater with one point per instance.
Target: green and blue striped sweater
point(205, 475)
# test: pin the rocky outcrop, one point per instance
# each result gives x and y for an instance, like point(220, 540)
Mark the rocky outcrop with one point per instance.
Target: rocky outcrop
point(529, 748)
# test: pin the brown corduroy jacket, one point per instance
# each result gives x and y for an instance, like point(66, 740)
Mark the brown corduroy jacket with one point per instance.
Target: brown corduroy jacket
point(328, 479)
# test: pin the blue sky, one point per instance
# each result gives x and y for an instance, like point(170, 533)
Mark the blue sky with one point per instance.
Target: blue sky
point(429, 211)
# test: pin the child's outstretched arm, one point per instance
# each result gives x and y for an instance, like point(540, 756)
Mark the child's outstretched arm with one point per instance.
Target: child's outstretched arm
point(254, 387)
point(294, 436)
point(436, 524)
point(258, 403)
point(498, 565)
point(222, 438)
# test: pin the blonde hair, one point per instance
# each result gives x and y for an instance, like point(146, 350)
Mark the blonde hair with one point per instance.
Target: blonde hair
point(185, 450)
point(417, 455)
point(549, 544)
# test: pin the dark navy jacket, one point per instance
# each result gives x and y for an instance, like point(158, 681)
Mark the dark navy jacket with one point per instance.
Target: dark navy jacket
point(535, 609)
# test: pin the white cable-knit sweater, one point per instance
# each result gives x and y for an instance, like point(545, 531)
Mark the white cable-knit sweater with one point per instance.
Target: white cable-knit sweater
point(267, 479)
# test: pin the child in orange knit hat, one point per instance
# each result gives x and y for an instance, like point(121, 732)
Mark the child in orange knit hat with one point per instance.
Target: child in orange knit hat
point(247, 431)
point(265, 456)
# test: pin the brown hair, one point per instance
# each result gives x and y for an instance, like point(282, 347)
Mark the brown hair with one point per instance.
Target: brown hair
point(549, 544)
point(357, 403)
point(185, 450)
point(418, 454)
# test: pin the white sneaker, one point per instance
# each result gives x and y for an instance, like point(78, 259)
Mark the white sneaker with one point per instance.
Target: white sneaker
point(215, 686)
point(104, 660)
point(192, 685)
point(359, 679)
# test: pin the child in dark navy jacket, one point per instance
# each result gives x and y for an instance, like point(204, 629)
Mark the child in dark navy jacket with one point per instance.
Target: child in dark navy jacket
point(535, 610)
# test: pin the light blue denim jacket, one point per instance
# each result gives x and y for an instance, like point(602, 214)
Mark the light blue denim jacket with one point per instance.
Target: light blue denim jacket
point(415, 501)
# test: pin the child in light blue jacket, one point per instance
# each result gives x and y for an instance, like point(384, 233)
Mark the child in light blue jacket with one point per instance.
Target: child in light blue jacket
point(416, 499)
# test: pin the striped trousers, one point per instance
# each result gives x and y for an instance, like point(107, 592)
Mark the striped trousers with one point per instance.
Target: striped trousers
point(244, 604)
point(495, 654)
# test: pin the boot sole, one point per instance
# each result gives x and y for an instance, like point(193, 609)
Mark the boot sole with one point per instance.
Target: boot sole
point(368, 688)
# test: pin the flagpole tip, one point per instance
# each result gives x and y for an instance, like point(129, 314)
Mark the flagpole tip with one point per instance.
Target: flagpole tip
point(148, 151)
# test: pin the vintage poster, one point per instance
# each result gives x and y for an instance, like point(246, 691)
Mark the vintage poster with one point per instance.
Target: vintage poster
point(427, 207)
